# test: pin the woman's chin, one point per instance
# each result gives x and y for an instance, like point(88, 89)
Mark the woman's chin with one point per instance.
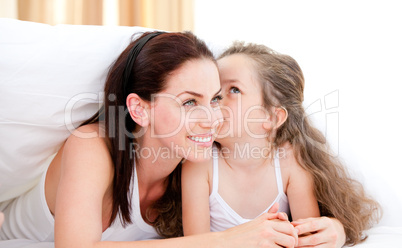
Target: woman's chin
point(200, 154)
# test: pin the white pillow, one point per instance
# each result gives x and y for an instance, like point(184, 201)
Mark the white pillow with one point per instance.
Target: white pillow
point(50, 76)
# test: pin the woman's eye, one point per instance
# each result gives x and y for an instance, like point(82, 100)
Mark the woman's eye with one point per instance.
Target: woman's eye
point(191, 102)
point(216, 100)
point(234, 90)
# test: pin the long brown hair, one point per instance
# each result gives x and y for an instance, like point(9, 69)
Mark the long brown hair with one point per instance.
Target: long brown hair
point(337, 193)
point(159, 57)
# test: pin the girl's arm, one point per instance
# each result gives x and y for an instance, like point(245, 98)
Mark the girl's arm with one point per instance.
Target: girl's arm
point(313, 230)
point(195, 197)
point(300, 191)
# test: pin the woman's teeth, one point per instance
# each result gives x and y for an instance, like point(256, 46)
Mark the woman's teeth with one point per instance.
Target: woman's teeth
point(201, 139)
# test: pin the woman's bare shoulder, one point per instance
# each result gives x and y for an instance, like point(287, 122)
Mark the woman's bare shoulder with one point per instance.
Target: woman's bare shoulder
point(83, 157)
point(88, 146)
point(88, 134)
point(93, 130)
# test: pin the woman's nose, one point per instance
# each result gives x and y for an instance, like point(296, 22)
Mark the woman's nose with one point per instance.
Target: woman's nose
point(214, 120)
point(207, 117)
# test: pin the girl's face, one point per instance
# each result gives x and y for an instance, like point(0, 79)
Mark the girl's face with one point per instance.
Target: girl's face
point(186, 115)
point(242, 104)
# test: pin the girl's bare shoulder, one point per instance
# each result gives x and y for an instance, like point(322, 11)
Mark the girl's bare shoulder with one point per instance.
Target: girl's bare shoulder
point(289, 163)
point(286, 155)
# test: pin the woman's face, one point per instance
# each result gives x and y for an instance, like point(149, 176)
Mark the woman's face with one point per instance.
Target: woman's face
point(186, 115)
point(242, 104)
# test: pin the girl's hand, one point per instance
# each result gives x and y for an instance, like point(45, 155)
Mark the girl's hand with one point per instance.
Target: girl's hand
point(320, 232)
point(268, 230)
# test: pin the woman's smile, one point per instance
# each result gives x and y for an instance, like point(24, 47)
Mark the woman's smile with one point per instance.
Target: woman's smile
point(202, 139)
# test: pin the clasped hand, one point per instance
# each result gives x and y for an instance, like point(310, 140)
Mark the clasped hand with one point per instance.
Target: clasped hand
point(273, 229)
point(310, 232)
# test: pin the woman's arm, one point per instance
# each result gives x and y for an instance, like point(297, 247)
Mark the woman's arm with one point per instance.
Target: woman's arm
point(263, 231)
point(195, 197)
point(86, 175)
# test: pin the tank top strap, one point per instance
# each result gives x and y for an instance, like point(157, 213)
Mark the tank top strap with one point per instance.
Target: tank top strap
point(135, 207)
point(278, 172)
point(215, 171)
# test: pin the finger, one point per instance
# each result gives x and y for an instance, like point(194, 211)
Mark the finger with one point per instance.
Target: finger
point(315, 246)
point(286, 228)
point(272, 216)
point(283, 216)
point(269, 216)
point(274, 208)
point(302, 221)
point(312, 240)
point(284, 240)
point(311, 226)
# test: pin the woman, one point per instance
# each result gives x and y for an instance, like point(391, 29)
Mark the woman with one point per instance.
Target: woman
point(113, 179)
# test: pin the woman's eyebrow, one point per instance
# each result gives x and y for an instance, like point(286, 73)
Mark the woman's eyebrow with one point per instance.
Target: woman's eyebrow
point(197, 94)
point(191, 93)
point(217, 93)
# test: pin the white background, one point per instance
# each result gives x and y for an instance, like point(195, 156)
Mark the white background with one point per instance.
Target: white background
point(351, 56)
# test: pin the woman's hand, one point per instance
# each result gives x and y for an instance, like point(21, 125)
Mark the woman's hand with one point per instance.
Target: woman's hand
point(268, 230)
point(320, 232)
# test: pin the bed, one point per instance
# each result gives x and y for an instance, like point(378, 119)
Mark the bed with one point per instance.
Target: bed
point(51, 79)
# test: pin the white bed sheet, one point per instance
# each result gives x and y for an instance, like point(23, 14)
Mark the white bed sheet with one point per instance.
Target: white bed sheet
point(379, 237)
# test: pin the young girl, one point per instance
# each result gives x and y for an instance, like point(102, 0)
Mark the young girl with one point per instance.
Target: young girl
point(268, 152)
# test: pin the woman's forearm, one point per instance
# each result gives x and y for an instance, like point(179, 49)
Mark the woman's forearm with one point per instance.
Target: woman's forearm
point(267, 229)
point(207, 240)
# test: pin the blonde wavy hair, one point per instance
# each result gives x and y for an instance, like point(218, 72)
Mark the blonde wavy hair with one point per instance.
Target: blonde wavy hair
point(338, 195)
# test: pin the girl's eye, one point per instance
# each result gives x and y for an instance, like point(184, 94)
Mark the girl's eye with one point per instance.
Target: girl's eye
point(234, 90)
point(216, 100)
point(190, 102)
